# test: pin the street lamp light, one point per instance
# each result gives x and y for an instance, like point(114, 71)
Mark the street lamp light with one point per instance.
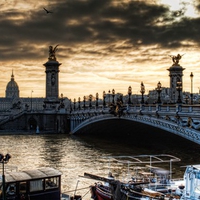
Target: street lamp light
point(191, 94)
point(159, 89)
point(113, 96)
point(142, 90)
point(179, 89)
point(129, 94)
point(104, 99)
point(4, 160)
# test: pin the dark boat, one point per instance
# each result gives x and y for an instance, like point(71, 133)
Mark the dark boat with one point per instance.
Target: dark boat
point(37, 184)
point(101, 192)
point(123, 192)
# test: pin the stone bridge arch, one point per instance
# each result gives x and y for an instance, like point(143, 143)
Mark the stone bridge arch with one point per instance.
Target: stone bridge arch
point(32, 123)
point(78, 123)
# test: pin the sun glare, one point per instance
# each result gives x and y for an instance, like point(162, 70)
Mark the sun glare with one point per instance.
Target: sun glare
point(186, 5)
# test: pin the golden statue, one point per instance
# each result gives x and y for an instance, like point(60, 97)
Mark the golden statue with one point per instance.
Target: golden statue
point(52, 52)
point(176, 59)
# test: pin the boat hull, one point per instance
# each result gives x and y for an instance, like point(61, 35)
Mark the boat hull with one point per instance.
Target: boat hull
point(101, 192)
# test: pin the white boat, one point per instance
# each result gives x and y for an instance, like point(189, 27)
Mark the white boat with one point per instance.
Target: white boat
point(192, 183)
point(145, 178)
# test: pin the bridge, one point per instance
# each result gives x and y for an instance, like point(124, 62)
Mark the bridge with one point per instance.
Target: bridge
point(54, 114)
point(182, 120)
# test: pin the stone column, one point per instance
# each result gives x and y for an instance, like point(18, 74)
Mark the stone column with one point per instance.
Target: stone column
point(52, 80)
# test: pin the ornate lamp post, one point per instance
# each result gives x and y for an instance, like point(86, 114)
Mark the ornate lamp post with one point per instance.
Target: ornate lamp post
point(109, 96)
point(113, 96)
point(79, 103)
point(142, 90)
point(74, 103)
point(104, 99)
point(179, 89)
point(70, 106)
point(90, 99)
point(31, 99)
point(84, 102)
point(191, 94)
point(97, 97)
point(159, 89)
point(4, 160)
point(129, 94)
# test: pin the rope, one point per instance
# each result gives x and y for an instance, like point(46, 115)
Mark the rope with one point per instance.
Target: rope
point(85, 193)
point(76, 190)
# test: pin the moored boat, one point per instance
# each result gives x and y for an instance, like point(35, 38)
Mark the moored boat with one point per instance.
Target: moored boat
point(148, 181)
point(192, 182)
point(101, 192)
point(36, 184)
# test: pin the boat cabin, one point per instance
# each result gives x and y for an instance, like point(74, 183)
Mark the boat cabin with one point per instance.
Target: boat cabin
point(192, 182)
point(38, 184)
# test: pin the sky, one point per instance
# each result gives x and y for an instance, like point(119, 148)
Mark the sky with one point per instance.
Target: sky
point(103, 44)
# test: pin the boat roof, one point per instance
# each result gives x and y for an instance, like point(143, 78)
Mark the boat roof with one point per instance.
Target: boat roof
point(44, 172)
point(197, 166)
point(144, 159)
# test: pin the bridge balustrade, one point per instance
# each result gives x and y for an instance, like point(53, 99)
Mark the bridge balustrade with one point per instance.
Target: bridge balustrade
point(183, 120)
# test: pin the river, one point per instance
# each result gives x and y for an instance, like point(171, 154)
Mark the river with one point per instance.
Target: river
point(74, 155)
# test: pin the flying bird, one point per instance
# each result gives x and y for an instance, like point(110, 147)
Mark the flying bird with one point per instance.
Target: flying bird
point(47, 11)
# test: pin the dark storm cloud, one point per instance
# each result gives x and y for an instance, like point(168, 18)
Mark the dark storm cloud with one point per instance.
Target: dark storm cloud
point(104, 22)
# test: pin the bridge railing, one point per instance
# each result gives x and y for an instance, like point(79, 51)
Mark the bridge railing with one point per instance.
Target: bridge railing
point(186, 114)
point(169, 118)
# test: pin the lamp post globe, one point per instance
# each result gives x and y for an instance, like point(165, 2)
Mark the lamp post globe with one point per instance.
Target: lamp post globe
point(79, 103)
point(74, 103)
point(129, 94)
point(142, 91)
point(4, 160)
point(109, 96)
point(191, 94)
point(84, 98)
point(113, 96)
point(159, 89)
point(90, 99)
point(97, 97)
point(104, 99)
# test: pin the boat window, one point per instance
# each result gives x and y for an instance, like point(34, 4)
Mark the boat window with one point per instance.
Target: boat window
point(11, 189)
point(51, 182)
point(36, 185)
point(22, 187)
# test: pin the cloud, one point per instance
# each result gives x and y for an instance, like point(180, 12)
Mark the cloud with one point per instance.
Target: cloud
point(106, 38)
point(96, 22)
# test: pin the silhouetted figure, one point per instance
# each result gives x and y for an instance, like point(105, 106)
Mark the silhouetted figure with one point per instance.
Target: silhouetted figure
point(52, 52)
point(176, 59)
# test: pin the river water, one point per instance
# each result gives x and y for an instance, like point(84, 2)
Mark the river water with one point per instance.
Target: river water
point(74, 155)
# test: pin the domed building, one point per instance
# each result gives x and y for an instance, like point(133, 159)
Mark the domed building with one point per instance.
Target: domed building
point(12, 89)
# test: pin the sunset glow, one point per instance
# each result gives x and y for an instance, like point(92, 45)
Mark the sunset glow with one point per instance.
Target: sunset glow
point(103, 44)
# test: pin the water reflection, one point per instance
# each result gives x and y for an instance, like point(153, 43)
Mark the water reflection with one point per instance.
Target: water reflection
point(78, 154)
point(54, 150)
